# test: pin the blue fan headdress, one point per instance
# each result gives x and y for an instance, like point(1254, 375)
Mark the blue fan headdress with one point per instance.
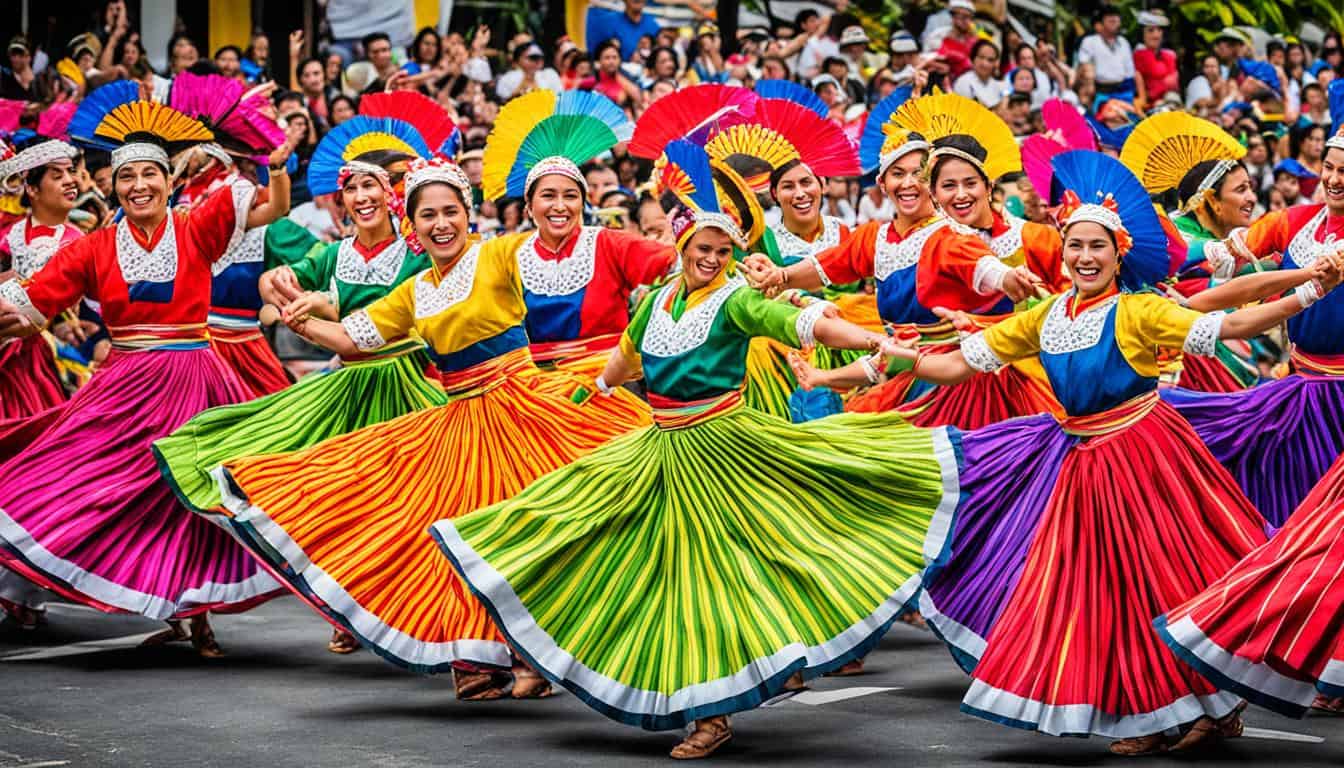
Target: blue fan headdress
point(713, 194)
point(791, 91)
point(1100, 189)
point(357, 136)
point(1336, 94)
point(884, 142)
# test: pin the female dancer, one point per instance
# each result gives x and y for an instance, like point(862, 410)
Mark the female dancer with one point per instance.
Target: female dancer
point(577, 280)
point(1279, 438)
point(29, 380)
point(1200, 162)
point(119, 541)
point(664, 580)
point(921, 260)
point(1071, 535)
point(344, 521)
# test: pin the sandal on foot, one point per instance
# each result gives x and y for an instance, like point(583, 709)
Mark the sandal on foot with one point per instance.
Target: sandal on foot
point(707, 737)
point(914, 619)
point(1328, 705)
point(343, 642)
point(173, 634)
point(1231, 726)
point(528, 684)
point(27, 618)
point(1203, 730)
point(477, 686)
point(854, 667)
point(1139, 745)
point(203, 640)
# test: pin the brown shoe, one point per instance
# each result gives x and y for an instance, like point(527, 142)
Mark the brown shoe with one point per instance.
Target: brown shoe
point(1140, 745)
point(477, 686)
point(203, 638)
point(854, 667)
point(709, 734)
point(343, 642)
point(1328, 705)
point(1203, 730)
point(528, 684)
point(173, 634)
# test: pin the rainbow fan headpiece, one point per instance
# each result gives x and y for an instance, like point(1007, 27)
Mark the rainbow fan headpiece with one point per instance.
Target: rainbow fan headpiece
point(1164, 148)
point(543, 133)
point(1101, 190)
point(943, 114)
point(336, 156)
point(713, 194)
point(115, 118)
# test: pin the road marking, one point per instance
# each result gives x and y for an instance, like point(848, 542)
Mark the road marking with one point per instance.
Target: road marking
point(818, 698)
point(47, 764)
point(1265, 733)
point(79, 649)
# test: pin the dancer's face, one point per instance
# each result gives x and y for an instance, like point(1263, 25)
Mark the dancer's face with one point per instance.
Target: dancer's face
point(1332, 180)
point(366, 200)
point(555, 207)
point(1090, 255)
point(799, 197)
point(962, 193)
point(705, 256)
point(142, 189)
point(441, 219)
point(906, 188)
point(58, 187)
point(1236, 199)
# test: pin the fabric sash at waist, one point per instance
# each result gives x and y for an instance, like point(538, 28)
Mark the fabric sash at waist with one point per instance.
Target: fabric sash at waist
point(132, 338)
point(551, 351)
point(481, 351)
point(223, 317)
point(483, 377)
point(680, 414)
point(400, 348)
point(1111, 420)
point(1306, 364)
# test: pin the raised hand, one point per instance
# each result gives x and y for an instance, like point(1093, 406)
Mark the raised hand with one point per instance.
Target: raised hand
point(1020, 284)
point(959, 320)
point(284, 281)
point(295, 43)
point(807, 375)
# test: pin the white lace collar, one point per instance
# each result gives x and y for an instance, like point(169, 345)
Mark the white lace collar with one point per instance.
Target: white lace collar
point(1304, 248)
point(793, 246)
point(893, 257)
point(382, 269)
point(453, 288)
point(248, 249)
point(158, 265)
point(559, 277)
point(28, 257)
point(1061, 334)
point(666, 337)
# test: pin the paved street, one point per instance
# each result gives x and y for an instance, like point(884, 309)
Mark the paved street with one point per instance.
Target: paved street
point(79, 693)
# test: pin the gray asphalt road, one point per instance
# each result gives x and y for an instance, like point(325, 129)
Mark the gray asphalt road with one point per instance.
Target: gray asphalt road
point(80, 693)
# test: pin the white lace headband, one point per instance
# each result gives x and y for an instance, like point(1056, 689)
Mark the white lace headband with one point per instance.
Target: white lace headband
point(556, 164)
point(1097, 214)
point(451, 175)
point(1210, 180)
point(39, 155)
point(138, 151)
point(899, 152)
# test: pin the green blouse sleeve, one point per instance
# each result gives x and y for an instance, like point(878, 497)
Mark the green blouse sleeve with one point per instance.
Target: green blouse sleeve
point(315, 269)
point(751, 314)
point(287, 242)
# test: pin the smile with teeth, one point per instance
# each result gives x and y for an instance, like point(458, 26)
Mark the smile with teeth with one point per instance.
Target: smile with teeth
point(1087, 271)
point(443, 238)
point(365, 212)
point(140, 199)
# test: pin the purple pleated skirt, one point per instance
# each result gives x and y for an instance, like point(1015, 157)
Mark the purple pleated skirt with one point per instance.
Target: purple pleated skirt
point(85, 513)
point(1277, 439)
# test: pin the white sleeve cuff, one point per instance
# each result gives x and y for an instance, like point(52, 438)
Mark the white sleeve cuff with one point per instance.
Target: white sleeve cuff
point(989, 275)
point(362, 331)
point(806, 322)
point(821, 273)
point(1203, 336)
point(16, 294)
point(978, 354)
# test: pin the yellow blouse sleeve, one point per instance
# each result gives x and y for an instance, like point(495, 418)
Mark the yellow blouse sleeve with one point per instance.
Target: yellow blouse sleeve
point(1146, 322)
point(1015, 338)
point(394, 314)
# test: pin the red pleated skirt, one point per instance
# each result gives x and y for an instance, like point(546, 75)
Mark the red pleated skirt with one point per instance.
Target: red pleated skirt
point(977, 402)
point(1204, 373)
point(250, 356)
point(28, 378)
point(1140, 520)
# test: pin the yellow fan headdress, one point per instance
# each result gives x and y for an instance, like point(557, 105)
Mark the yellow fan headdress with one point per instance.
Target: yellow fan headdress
point(114, 118)
point(943, 114)
point(1165, 147)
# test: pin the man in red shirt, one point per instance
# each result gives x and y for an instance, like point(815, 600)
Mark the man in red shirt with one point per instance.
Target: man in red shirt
point(1155, 65)
point(956, 47)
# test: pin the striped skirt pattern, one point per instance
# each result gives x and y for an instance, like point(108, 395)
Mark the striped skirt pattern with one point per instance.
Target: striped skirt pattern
point(689, 571)
point(250, 356)
point(345, 523)
point(320, 406)
point(29, 381)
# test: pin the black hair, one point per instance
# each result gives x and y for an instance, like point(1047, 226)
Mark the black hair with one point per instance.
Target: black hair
point(833, 61)
point(226, 48)
point(354, 107)
point(981, 43)
point(653, 56)
point(1033, 79)
point(777, 175)
point(385, 158)
point(419, 38)
point(1108, 10)
point(602, 48)
point(1189, 183)
point(803, 16)
point(841, 21)
point(372, 38)
point(286, 95)
point(1016, 97)
point(413, 199)
point(96, 160)
point(962, 143)
point(311, 60)
point(1299, 134)
point(179, 37)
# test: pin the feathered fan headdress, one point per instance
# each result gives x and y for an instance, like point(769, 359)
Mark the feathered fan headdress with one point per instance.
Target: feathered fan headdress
point(543, 132)
point(1100, 189)
point(354, 137)
point(228, 109)
point(427, 116)
point(713, 194)
point(115, 119)
point(1165, 147)
point(944, 114)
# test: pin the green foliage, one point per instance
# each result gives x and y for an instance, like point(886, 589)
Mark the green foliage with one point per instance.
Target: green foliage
point(1273, 16)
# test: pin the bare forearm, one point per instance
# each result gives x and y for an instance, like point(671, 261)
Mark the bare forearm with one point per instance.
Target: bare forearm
point(1253, 321)
point(842, 334)
point(1247, 288)
point(329, 334)
point(943, 369)
point(277, 203)
point(619, 369)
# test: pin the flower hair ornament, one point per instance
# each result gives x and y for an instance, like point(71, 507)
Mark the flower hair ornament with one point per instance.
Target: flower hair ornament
point(1106, 213)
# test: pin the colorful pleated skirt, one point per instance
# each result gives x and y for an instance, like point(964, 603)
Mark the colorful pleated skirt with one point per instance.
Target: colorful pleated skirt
point(688, 569)
point(1069, 539)
point(1271, 629)
point(84, 512)
point(371, 390)
point(1224, 371)
point(29, 377)
point(345, 522)
point(1277, 439)
point(250, 356)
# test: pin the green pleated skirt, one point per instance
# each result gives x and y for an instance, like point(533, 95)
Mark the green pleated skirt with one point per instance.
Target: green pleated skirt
point(321, 406)
point(677, 574)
